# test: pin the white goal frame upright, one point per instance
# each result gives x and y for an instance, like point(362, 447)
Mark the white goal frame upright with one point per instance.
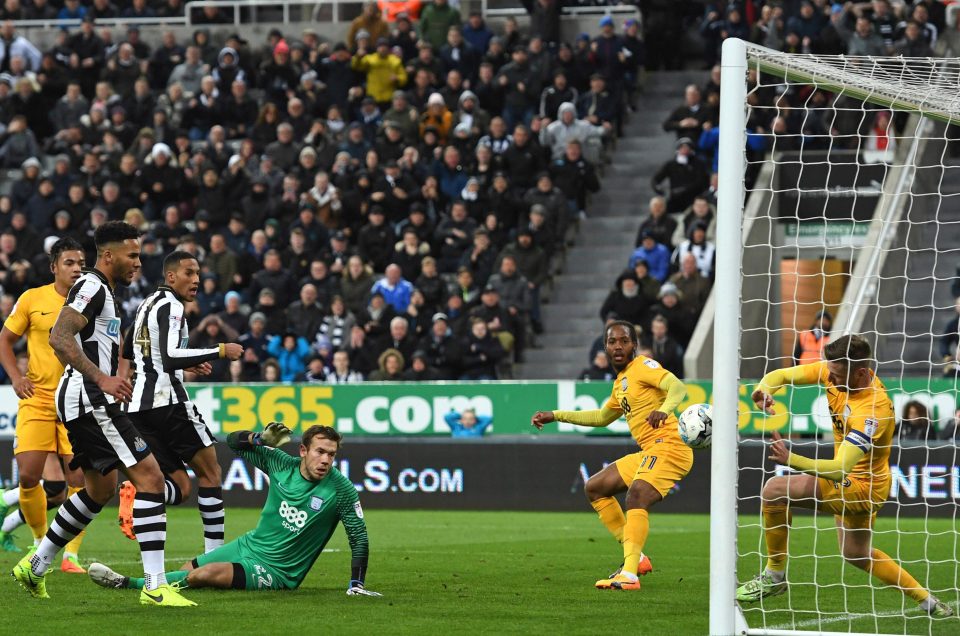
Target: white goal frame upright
point(737, 56)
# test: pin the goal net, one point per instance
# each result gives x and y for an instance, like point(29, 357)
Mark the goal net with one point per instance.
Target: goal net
point(839, 213)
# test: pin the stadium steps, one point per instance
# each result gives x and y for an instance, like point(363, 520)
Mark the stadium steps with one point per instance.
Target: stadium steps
point(603, 246)
point(919, 286)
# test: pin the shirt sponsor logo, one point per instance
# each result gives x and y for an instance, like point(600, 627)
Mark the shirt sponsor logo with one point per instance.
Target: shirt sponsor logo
point(293, 518)
point(84, 298)
point(316, 503)
point(357, 508)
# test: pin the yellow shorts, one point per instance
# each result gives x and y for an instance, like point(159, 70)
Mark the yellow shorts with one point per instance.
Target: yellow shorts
point(39, 430)
point(854, 502)
point(661, 466)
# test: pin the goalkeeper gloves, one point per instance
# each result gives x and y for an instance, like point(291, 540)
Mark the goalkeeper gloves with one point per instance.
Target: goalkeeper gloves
point(275, 434)
point(356, 589)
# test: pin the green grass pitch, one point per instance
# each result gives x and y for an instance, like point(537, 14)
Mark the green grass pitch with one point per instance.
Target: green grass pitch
point(486, 572)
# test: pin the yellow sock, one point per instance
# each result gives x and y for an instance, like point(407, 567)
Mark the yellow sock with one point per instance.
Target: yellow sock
point(33, 505)
point(776, 531)
point(890, 572)
point(74, 546)
point(611, 514)
point(634, 537)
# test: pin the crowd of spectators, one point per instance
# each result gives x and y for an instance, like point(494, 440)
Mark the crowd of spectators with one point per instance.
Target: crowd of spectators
point(385, 208)
point(669, 275)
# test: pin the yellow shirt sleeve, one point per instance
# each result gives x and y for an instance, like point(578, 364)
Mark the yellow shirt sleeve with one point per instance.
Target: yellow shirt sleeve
point(813, 373)
point(19, 318)
point(597, 417)
point(834, 469)
point(676, 391)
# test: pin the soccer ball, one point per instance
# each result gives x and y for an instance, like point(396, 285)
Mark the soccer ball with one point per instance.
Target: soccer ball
point(696, 426)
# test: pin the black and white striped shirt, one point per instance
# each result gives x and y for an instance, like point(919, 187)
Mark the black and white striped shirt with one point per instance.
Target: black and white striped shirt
point(99, 339)
point(158, 343)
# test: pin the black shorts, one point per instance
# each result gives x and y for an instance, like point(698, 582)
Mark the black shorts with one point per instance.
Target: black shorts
point(105, 439)
point(175, 433)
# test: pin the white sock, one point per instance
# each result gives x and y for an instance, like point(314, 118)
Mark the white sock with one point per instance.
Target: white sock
point(43, 557)
point(11, 496)
point(12, 521)
point(929, 603)
point(632, 577)
point(777, 577)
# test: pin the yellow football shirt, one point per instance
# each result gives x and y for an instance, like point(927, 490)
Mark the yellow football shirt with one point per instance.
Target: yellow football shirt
point(637, 393)
point(34, 315)
point(865, 419)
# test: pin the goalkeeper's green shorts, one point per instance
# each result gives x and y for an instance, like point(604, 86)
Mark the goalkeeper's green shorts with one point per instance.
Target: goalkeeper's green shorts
point(258, 576)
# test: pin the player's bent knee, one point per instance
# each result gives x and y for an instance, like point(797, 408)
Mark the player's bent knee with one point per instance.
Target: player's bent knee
point(774, 490)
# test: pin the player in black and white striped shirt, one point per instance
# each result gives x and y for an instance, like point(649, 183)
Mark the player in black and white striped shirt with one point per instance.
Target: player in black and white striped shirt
point(86, 338)
point(161, 409)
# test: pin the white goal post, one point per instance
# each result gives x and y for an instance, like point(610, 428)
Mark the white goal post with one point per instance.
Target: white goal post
point(921, 99)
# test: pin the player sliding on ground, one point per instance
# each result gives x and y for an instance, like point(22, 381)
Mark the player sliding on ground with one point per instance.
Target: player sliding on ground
point(647, 394)
point(307, 498)
point(852, 486)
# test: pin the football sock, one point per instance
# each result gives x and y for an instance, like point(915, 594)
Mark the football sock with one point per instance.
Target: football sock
point(776, 533)
point(73, 548)
point(634, 536)
point(611, 514)
point(177, 576)
point(173, 496)
point(11, 496)
point(210, 502)
point(72, 517)
point(33, 503)
point(12, 521)
point(150, 525)
point(890, 572)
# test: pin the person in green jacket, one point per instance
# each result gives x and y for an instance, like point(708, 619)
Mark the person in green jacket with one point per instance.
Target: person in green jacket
point(435, 20)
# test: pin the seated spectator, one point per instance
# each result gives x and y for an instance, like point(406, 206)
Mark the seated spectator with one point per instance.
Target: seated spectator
point(340, 372)
point(687, 120)
point(480, 260)
point(694, 287)
point(430, 283)
point(233, 314)
point(355, 284)
point(315, 372)
point(660, 225)
point(568, 128)
point(269, 371)
point(395, 289)
point(398, 338)
point(290, 351)
point(915, 422)
point(361, 354)
point(686, 174)
point(664, 348)
point(467, 424)
point(626, 301)
point(441, 347)
point(305, 315)
point(209, 299)
point(390, 365)
point(599, 106)
point(575, 177)
point(681, 321)
point(481, 353)
point(656, 256)
point(599, 370)
point(514, 292)
point(702, 250)
point(419, 370)
point(700, 211)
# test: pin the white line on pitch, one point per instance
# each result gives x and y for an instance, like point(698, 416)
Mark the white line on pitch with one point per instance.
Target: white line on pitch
point(813, 622)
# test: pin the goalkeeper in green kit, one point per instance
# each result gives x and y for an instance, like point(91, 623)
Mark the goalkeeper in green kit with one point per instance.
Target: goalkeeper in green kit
point(308, 497)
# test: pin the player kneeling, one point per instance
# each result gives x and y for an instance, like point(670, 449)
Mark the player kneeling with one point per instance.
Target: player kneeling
point(307, 498)
point(852, 486)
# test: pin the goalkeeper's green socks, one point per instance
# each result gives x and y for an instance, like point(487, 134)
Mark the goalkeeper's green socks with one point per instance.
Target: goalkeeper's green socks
point(179, 577)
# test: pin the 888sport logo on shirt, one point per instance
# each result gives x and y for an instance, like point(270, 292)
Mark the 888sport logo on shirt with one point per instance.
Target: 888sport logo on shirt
point(293, 518)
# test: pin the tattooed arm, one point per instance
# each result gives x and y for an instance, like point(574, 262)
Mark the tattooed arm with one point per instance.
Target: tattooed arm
point(63, 339)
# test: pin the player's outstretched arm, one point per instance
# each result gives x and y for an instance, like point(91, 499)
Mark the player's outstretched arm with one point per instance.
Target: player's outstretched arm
point(174, 357)
point(351, 515)
point(763, 394)
point(259, 449)
point(597, 417)
point(835, 469)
